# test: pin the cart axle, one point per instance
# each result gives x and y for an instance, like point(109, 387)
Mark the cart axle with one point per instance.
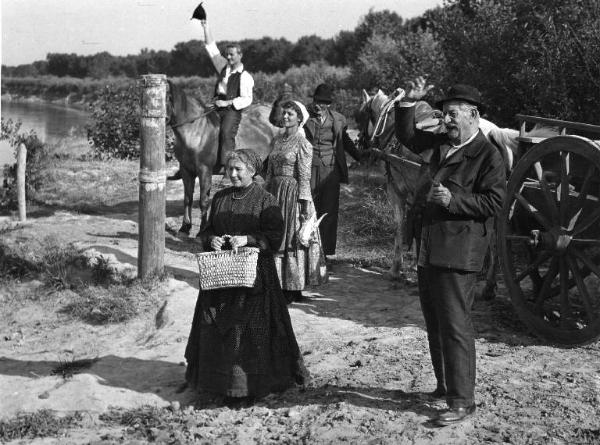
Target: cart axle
point(550, 241)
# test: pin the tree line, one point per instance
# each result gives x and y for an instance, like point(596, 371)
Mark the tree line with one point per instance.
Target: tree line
point(267, 55)
point(538, 57)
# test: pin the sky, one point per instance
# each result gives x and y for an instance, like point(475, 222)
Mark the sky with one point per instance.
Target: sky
point(33, 28)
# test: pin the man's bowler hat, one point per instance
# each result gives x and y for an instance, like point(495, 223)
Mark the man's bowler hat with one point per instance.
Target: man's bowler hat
point(323, 93)
point(462, 92)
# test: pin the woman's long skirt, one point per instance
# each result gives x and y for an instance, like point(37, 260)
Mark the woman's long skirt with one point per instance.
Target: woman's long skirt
point(291, 258)
point(242, 342)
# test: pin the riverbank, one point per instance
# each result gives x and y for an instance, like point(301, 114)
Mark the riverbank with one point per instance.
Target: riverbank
point(66, 102)
point(78, 92)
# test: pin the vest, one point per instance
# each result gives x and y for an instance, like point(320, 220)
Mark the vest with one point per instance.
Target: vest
point(233, 84)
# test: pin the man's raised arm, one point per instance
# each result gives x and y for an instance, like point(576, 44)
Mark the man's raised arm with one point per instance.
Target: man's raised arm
point(212, 49)
point(406, 130)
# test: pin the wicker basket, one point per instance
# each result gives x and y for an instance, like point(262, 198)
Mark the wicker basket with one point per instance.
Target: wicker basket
point(227, 268)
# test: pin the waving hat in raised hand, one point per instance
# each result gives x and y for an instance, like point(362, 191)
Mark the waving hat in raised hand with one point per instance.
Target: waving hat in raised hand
point(199, 13)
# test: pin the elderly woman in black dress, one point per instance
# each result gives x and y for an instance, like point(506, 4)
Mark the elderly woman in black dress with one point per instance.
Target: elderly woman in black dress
point(242, 344)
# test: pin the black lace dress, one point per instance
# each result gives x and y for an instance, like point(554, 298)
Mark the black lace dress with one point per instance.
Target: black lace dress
point(242, 343)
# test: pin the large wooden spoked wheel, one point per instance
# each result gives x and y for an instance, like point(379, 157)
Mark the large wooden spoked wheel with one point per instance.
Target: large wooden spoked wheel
point(549, 239)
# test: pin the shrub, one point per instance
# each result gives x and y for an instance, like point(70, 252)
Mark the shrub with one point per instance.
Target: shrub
point(113, 304)
point(36, 162)
point(115, 131)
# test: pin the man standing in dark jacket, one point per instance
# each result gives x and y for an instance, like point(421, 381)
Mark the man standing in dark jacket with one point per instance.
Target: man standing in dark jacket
point(460, 191)
point(326, 131)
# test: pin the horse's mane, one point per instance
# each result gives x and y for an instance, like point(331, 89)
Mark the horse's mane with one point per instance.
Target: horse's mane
point(186, 106)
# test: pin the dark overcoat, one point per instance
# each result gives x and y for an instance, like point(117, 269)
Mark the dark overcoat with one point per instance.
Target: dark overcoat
point(456, 237)
point(342, 142)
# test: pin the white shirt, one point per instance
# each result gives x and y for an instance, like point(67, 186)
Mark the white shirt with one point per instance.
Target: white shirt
point(455, 148)
point(246, 80)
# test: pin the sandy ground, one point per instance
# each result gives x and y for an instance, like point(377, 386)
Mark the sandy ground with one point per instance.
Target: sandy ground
point(362, 337)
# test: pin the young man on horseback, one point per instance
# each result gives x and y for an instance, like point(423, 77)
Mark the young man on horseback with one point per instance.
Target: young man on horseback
point(233, 91)
point(232, 94)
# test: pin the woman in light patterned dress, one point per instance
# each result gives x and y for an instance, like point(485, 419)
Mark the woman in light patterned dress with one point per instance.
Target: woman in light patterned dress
point(288, 179)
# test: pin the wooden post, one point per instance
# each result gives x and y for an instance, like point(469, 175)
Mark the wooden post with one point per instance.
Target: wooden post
point(21, 166)
point(151, 242)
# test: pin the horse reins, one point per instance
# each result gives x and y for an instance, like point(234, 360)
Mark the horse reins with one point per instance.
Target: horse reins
point(192, 119)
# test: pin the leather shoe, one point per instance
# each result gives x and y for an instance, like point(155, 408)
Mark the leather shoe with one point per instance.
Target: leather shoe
point(455, 415)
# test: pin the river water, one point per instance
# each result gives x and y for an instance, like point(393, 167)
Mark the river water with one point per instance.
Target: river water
point(52, 123)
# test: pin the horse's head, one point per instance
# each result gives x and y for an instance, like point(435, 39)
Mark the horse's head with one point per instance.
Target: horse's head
point(367, 116)
point(183, 109)
point(169, 104)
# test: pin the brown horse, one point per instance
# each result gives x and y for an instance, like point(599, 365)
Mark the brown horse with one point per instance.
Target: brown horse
point(196, 129)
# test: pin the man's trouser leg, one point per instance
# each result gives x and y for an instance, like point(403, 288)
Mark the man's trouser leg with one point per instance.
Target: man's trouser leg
point(428, 307)
point(450, 296)
point(230, 123)
point(325, 186)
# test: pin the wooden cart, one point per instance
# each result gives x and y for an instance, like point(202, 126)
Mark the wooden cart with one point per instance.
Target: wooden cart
point(549, 232)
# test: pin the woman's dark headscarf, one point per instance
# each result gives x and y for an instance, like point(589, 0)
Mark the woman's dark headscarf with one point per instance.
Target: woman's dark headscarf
point(249, 157)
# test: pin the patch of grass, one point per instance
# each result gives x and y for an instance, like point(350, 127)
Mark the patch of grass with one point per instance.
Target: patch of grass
point(101, 272)
point(39, 424)
point(50, 260)
point(56, 262)
point(115, 303)
point(366, 228)
point(90, 186)
point(16, 266)
point(365, 211)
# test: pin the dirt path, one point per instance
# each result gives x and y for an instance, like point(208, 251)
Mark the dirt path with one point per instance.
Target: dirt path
point(363, 340)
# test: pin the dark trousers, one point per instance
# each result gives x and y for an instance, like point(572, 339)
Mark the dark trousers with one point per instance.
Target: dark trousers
point(446, 299)
point(325, 186)
point(230, 123)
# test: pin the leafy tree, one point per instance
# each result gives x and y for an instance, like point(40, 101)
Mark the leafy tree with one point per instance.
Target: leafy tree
point(150, 61)
point(551, 69)
point(266, 54)
point(190, 59)
point(387, 63)
point(310, 49)
point(340, 48)
point(99, 65)
point(115, 128)
point(124, 66)
point(60, 64)
point(384, 23)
